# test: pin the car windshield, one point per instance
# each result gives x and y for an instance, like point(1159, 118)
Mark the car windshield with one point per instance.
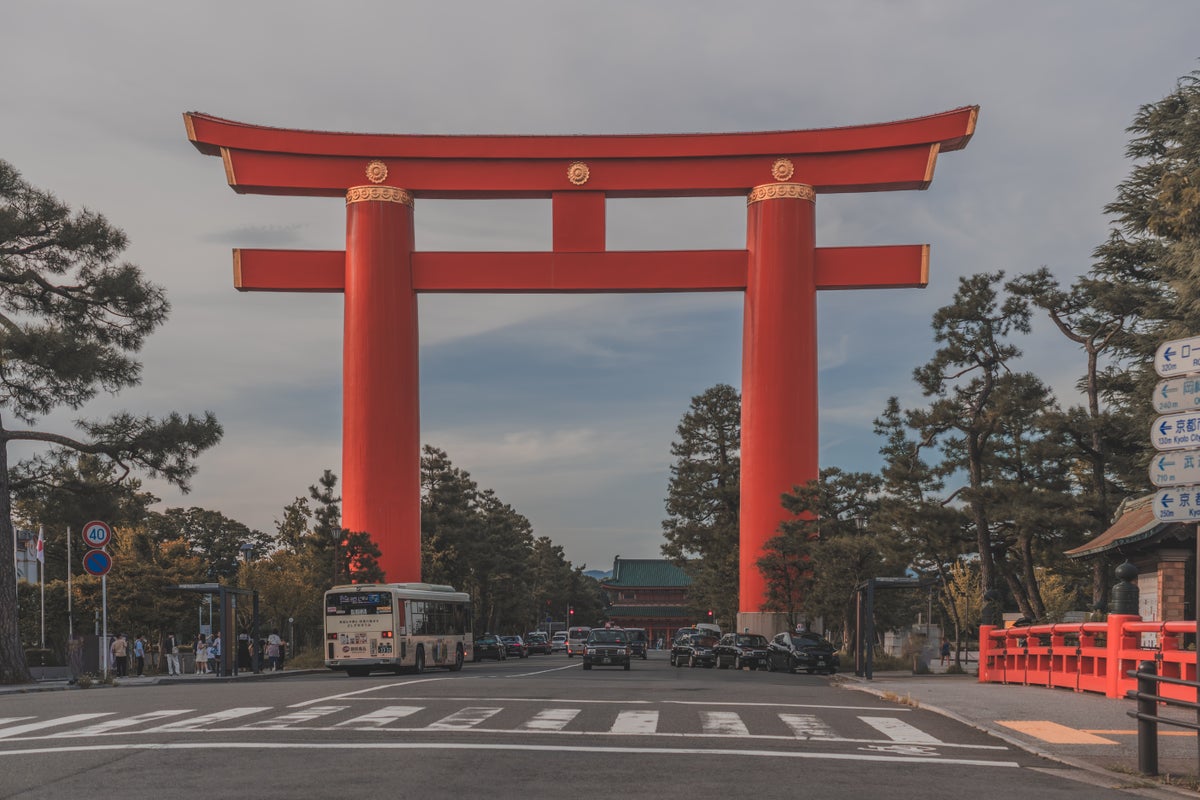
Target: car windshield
point(810, 640)
point(607, 637)
point(704, 641)
point(753, 640)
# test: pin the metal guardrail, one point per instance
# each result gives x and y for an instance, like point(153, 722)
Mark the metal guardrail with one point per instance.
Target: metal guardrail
point(1148, 698)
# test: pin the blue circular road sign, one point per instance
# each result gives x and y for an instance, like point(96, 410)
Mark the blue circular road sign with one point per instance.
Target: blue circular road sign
point(97, 562)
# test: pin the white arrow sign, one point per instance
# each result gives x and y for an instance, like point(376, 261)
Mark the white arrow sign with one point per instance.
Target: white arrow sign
point(1175, 469)
point(1176, 432)
point(1177, 394)
point(1177, 504)
point(1178, 357)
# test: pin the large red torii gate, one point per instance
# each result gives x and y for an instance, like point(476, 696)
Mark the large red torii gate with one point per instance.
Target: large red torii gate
point(780, 271)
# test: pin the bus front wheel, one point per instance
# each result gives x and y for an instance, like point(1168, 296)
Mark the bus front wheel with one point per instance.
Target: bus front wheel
point(419, 666)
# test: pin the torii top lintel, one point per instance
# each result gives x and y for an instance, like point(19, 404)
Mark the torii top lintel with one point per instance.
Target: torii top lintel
point(883, 156)
point(578, 173)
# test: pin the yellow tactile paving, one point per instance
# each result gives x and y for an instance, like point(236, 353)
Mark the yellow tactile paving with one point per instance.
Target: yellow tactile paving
point(1053, 732)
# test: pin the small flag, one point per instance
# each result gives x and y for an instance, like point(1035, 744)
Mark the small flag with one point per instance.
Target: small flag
point(41, 547)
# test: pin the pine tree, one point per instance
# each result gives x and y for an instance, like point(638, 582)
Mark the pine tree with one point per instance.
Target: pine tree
point(701, 529)
point(72, 317)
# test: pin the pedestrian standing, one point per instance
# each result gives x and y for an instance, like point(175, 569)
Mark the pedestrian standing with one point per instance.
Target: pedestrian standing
point(274, 643)
point(120, 654)
point(214, 652)
point(139, 654)
point(945, 650)
point(201, 655)
point(171, 646)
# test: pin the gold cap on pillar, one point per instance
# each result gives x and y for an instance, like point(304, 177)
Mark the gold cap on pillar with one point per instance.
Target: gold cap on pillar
point(776, 191)
point(379, 194)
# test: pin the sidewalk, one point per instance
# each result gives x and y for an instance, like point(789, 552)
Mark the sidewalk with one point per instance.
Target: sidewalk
point(60, 684)
point(1080, 729)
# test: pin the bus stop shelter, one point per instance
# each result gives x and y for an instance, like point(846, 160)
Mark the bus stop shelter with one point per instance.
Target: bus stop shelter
point(227, 601)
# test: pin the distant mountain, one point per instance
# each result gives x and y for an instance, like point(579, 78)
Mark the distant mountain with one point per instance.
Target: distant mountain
point(597, 574)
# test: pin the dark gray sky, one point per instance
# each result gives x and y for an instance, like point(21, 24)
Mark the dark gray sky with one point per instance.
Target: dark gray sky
point(566, 405)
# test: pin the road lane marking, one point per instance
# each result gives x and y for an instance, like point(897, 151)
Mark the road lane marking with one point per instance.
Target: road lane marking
point(17, 730)
point(807, 726)
point(900, 731)
point(464, 718)
point(551, 719)
point(723, 723)
point(1052, 732)
point(107, 725)
point(296, 717)
point(359, 746)
point(467, 699)
point(345, 695)
point(628, 722)
point(208, 719)
point(381, 716)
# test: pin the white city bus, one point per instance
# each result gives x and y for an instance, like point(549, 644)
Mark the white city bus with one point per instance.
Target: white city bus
point(396, 626)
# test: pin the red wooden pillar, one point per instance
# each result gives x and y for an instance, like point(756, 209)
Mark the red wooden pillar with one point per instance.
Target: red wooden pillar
point(381, 428)
point(779, 369)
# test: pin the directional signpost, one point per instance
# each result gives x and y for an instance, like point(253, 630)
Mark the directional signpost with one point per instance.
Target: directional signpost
point(1175, 469)
point(1178, 357)
point(1176, 431)
point(1178, 503)
point(1177, 394)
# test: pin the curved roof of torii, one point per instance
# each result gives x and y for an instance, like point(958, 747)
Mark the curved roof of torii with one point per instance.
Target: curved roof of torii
point(875, 157)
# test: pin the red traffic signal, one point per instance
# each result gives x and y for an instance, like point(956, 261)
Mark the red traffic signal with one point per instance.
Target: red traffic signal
point(710, 614)
point(571, 610)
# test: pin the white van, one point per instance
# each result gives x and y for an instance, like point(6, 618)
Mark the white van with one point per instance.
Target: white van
point(575, 641)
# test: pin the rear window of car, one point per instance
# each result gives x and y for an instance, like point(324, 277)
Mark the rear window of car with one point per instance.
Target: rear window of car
point(752, 641)
point(635, 635)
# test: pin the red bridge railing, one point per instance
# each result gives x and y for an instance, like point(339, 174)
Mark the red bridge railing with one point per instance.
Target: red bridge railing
point(1088, 656)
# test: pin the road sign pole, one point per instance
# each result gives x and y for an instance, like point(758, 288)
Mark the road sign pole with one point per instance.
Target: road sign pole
point(105, 650)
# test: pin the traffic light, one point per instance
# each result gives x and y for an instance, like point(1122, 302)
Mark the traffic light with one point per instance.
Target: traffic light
point(571, 612)
point(710, 615)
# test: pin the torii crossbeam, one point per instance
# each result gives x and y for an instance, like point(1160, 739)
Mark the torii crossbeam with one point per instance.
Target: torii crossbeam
point(380, 273)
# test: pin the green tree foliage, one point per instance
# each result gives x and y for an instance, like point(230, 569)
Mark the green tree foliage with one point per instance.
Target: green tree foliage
point(72, 318)
point(701, 529)
point(975, 350)
point(212, 535)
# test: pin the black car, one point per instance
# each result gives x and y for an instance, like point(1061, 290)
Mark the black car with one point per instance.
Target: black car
point(537, 643)
point(638, 641)
point(802, 651)
point(608, 647)
point(489, 646)
point(739, 650)
point(514, 646)
point(693, 649)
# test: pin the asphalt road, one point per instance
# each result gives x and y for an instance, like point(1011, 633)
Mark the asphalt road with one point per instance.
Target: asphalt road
point(536, 727)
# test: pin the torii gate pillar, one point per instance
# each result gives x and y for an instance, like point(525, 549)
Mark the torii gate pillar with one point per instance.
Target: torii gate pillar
point(779, 368)
point(381, 420)
point(780, 270)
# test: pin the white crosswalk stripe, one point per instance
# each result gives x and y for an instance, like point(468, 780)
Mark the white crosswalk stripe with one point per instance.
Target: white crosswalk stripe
point(807, 726)
point(554, 719)
point(380, 717)
point(297, 717)
point(900, 731)
point(550, 719)
point(214, 718)
point(724, 723)
point(30, 727)
point(635, 722)
point(122, 722)
point(466, 718)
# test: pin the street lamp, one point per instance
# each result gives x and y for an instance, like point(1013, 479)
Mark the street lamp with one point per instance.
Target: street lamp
point(247, 549)
point(256, 659)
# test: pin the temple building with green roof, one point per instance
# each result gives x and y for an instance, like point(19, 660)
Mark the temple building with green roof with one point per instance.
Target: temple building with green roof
point(650, 593)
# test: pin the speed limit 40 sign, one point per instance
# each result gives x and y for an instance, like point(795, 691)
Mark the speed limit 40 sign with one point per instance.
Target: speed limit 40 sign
point(96, 534)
